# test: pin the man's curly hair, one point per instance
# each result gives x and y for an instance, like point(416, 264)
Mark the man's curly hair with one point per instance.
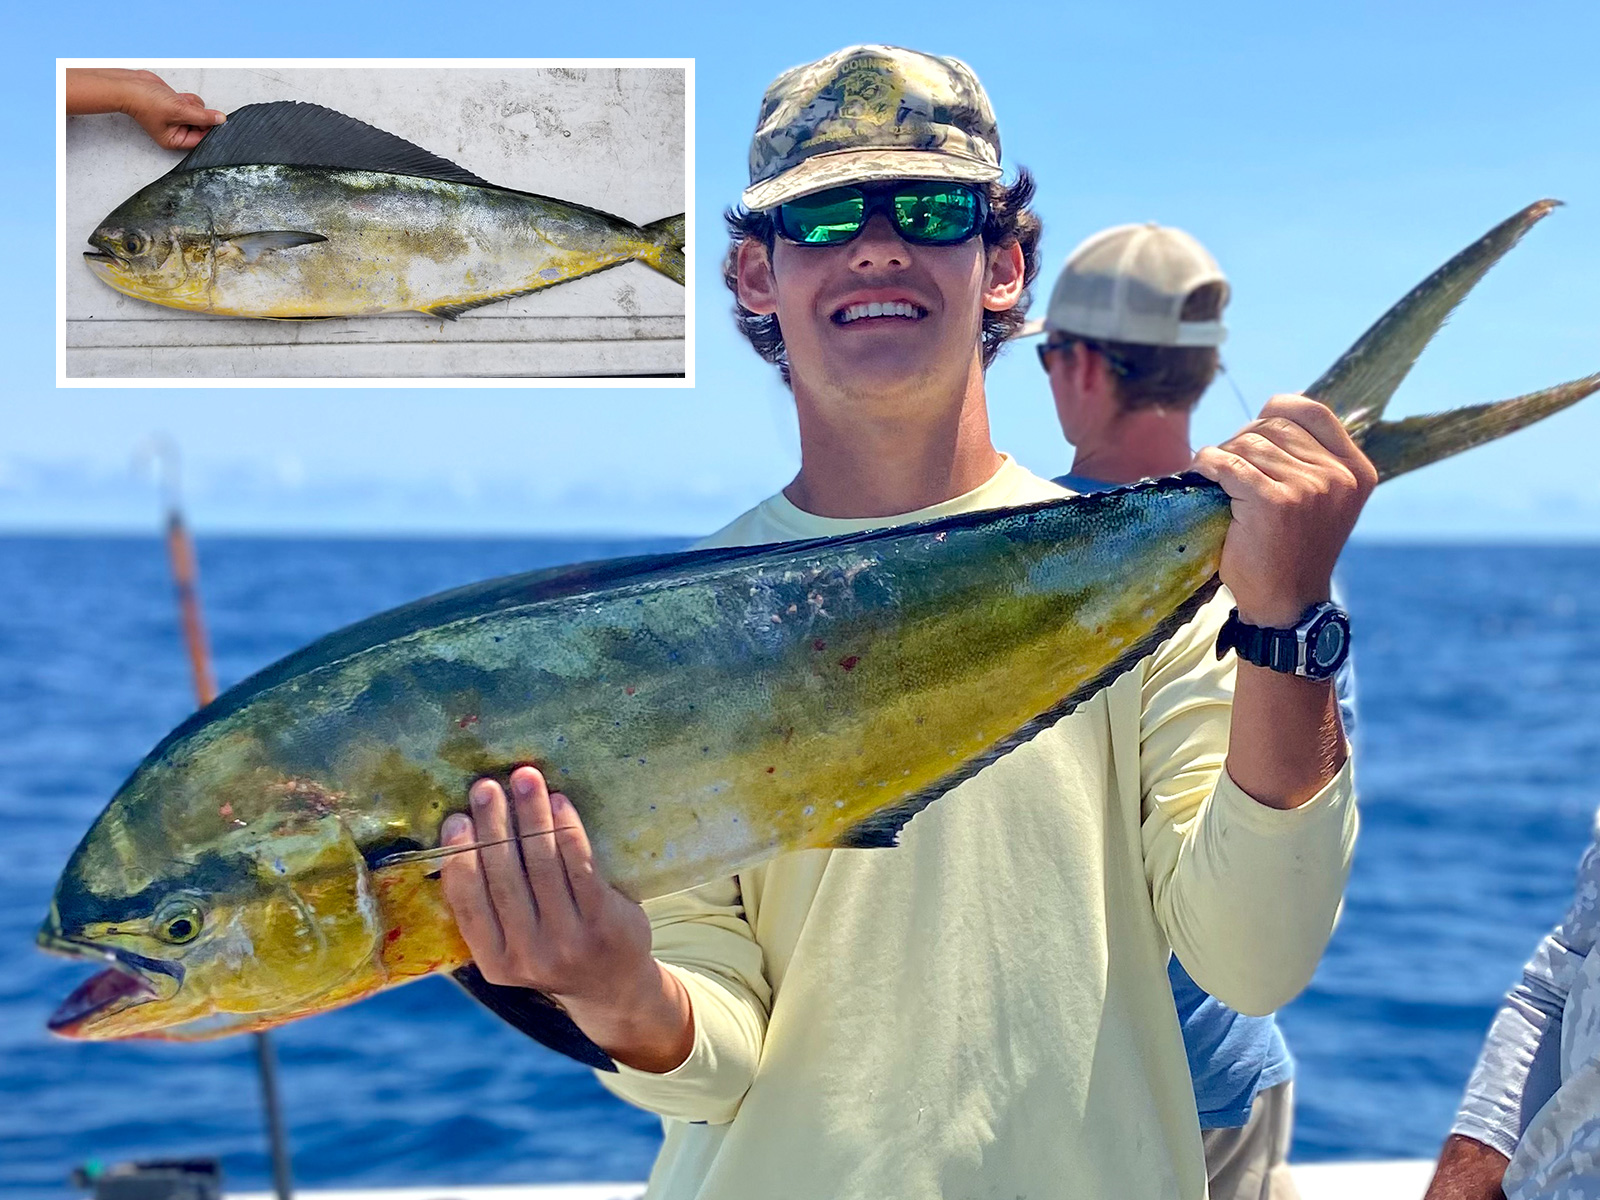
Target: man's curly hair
point(1010, 219)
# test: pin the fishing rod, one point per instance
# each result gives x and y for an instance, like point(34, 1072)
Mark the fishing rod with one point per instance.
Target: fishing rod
point(1222, 369)
point(185, 573)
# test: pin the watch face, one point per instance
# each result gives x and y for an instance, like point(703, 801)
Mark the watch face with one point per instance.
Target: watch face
point(1328, 646)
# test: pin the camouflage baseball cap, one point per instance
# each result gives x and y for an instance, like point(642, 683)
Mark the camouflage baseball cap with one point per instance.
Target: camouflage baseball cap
point(868, 113)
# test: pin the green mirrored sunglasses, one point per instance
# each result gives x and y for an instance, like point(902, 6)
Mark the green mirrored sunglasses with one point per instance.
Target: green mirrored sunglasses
point(926, 213)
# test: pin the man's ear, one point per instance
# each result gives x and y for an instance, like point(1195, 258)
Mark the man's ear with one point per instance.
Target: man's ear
point(1003, 277)
point(758, 289)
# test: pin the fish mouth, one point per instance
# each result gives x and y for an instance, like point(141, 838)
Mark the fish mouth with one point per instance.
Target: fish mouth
point(129, 981)
point(107, 266)
point(102, 253)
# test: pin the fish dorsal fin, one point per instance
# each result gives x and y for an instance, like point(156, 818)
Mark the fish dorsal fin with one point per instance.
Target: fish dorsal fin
point(294, 134)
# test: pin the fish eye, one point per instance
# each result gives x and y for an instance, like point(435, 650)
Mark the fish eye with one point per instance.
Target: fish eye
point(178, 921)
point(136, 244)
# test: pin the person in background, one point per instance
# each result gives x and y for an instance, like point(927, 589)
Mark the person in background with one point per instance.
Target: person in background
point(1131, 337)
point(983, 1009)
point(1529, 1124)
point(174, 120)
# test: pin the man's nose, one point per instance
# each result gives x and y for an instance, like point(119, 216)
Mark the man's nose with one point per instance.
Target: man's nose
point(879, 245)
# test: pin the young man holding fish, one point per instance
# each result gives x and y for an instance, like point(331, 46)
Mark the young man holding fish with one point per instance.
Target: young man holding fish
point(983, 1010)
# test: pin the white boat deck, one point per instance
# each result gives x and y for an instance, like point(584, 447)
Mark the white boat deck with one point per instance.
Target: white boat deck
point(1400, 1180)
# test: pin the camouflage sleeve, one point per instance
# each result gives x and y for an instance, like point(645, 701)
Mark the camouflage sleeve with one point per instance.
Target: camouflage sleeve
point(1246, 894)
point(1558, 1157)
point(702, 937)
point(1518, 1070)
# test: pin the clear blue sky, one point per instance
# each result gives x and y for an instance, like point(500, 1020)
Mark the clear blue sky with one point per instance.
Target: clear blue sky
point(1330, 156)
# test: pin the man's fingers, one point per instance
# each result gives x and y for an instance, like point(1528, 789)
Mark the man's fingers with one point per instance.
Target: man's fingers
point(502, 866)
point(1238, 476)
point(577, 856)
point(1314, 417)
point(181, 120)
point(540, 856)
point(467, 893)
point(1279, 463)
point(1323, 424)
point(193, 112)
point(1314, 456)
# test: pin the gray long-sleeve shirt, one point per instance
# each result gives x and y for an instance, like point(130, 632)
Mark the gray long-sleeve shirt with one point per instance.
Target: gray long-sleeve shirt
point(1535, 1093)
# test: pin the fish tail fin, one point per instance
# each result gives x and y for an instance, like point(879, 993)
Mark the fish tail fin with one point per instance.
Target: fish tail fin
point(1395, 447)
point(665, 253)
point(1358, 387)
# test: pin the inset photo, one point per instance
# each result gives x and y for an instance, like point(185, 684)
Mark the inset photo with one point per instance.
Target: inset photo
point(347, 221)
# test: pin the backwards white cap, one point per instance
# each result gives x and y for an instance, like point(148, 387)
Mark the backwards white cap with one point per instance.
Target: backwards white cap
point(1128, 284)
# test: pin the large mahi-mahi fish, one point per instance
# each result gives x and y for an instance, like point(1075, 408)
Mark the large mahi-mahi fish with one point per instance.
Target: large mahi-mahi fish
point(705, 711)
point(294, 211)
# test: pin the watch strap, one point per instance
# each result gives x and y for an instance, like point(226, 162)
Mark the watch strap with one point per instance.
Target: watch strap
point(1275, 649)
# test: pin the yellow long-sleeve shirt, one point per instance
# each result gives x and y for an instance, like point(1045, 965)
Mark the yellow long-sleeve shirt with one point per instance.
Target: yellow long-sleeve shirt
point(983, 1011)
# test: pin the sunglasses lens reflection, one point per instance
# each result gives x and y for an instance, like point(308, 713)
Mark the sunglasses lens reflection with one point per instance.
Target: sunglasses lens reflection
point(825, 219)
point(939, 215)
point(926, 213)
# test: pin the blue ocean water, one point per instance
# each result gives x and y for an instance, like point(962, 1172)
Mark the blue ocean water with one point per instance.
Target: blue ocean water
point(1480, 744)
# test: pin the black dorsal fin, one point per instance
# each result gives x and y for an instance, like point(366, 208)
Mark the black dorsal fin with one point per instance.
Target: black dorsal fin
point(293, 134)
point(536, 1015)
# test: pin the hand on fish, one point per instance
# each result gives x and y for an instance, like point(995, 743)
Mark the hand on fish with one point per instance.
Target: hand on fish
point(536, 914)
point(1298, 482)
point(174, 120)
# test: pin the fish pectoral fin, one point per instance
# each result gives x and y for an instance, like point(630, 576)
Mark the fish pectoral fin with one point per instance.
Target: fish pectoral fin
point(254, 245)
point(536, 1015)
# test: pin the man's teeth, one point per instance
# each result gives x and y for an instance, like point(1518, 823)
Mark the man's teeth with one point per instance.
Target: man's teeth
point(892, 308)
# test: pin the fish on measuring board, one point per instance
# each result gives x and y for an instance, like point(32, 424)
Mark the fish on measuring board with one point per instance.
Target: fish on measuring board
point(293, 211)
point(276, 854)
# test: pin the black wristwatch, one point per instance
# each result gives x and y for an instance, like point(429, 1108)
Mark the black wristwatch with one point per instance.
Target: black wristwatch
point(1314, 648)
